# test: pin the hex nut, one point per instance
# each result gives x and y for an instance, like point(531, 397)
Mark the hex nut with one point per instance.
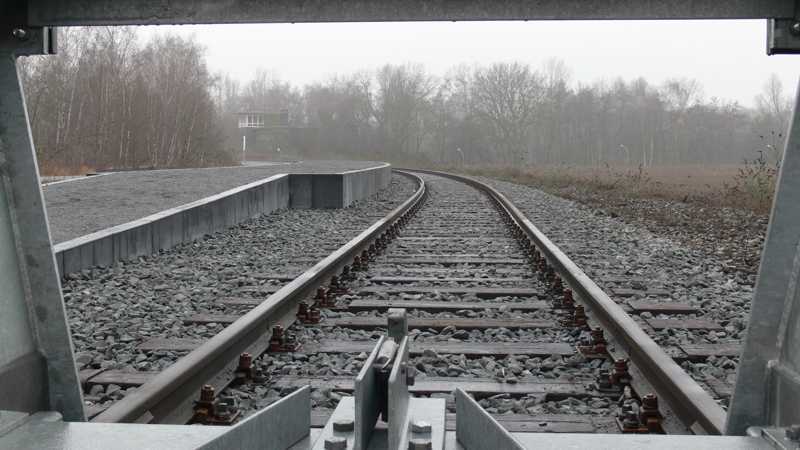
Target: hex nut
point(420, 444)
point(336, 443)
point(421, 427)
point(344, 425)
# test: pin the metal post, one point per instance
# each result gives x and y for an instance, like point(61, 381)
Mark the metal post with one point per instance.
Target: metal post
point(24, 221)
point(770, 361)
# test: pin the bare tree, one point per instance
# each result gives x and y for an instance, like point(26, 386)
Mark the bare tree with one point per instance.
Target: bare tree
point(773, 105)
point(507, 99)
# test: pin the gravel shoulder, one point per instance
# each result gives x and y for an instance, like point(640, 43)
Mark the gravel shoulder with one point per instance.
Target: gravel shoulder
point(84, 206)
point(694, 268)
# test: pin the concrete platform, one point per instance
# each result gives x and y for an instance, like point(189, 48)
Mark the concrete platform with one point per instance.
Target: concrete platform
point(117, 217)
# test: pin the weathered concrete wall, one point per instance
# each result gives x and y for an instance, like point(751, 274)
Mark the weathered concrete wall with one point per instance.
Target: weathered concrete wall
point(358, 184)
point(174, 226)
point(337, 190)
point(192, 221)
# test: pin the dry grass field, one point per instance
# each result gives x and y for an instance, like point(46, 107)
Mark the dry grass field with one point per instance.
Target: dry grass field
point(748, 187)
point(722, 210)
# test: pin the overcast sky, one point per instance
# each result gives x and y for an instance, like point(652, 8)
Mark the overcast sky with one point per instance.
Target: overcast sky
point(727, 57)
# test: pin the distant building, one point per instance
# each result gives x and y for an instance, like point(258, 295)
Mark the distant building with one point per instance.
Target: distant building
point(261, 134)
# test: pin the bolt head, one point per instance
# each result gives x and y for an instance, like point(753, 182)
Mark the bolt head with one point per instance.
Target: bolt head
point(20, 33)
point(794, 27)
point(793, 432)
point(650, 401)
point(421, 426)
point(343, 425)
point(420, 444)
point(335, 443)
point(207, 392)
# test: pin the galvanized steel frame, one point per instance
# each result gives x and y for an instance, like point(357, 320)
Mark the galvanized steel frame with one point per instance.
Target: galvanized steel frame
point(167, 397)
point(145, 12)
point(767, 389)
point(675, 387)
point(25, 218)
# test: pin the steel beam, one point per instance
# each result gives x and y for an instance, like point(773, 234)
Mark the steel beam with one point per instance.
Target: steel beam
point(145, 12)
point(28, 273)
point(767, 387)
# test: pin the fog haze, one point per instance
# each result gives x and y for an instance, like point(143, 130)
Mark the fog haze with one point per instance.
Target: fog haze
point(728, 58)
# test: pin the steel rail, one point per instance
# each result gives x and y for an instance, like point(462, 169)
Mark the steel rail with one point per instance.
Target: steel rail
point(675, 387)
point(164, 398)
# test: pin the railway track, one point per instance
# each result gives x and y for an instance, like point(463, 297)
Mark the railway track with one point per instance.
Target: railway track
point(493, 308)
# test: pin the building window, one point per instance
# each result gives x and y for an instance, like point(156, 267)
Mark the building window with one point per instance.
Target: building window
point(251, 121)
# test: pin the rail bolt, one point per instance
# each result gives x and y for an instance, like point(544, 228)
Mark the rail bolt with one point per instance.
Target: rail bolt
point(604, 380)
point(207, 393)
point(365, 256)
point(558, 286)
point(321, 298)
point(372, 249)
point(302, 310)
point(289, 342)
point(599, 340)
point(631, 420)
point(222, 412)
point(357, 263)
point(206, 407)
point(598, 336)
point(621, 376)
point(569, 302)
point(245, 361)
point(650, 401)
point(580, 315)
point(246, 369)
point(649, 416)
point(259, 377)
point(277, 341)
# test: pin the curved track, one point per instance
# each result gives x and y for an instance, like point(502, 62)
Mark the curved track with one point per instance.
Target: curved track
point(489, 311)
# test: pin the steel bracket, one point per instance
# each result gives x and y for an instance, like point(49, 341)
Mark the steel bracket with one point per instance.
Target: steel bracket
point(407, 418)
point(17, 38)
point(783, 36)
point(476, 429)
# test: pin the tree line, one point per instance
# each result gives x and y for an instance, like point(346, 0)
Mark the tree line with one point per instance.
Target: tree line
point(108, 101)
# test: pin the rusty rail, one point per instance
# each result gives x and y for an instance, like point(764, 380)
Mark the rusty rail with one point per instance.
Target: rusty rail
point(680, 392)
point(167, 397)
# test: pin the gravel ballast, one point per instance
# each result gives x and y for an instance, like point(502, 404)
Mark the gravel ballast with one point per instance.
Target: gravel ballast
point(604, 246)
point(113, 309)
